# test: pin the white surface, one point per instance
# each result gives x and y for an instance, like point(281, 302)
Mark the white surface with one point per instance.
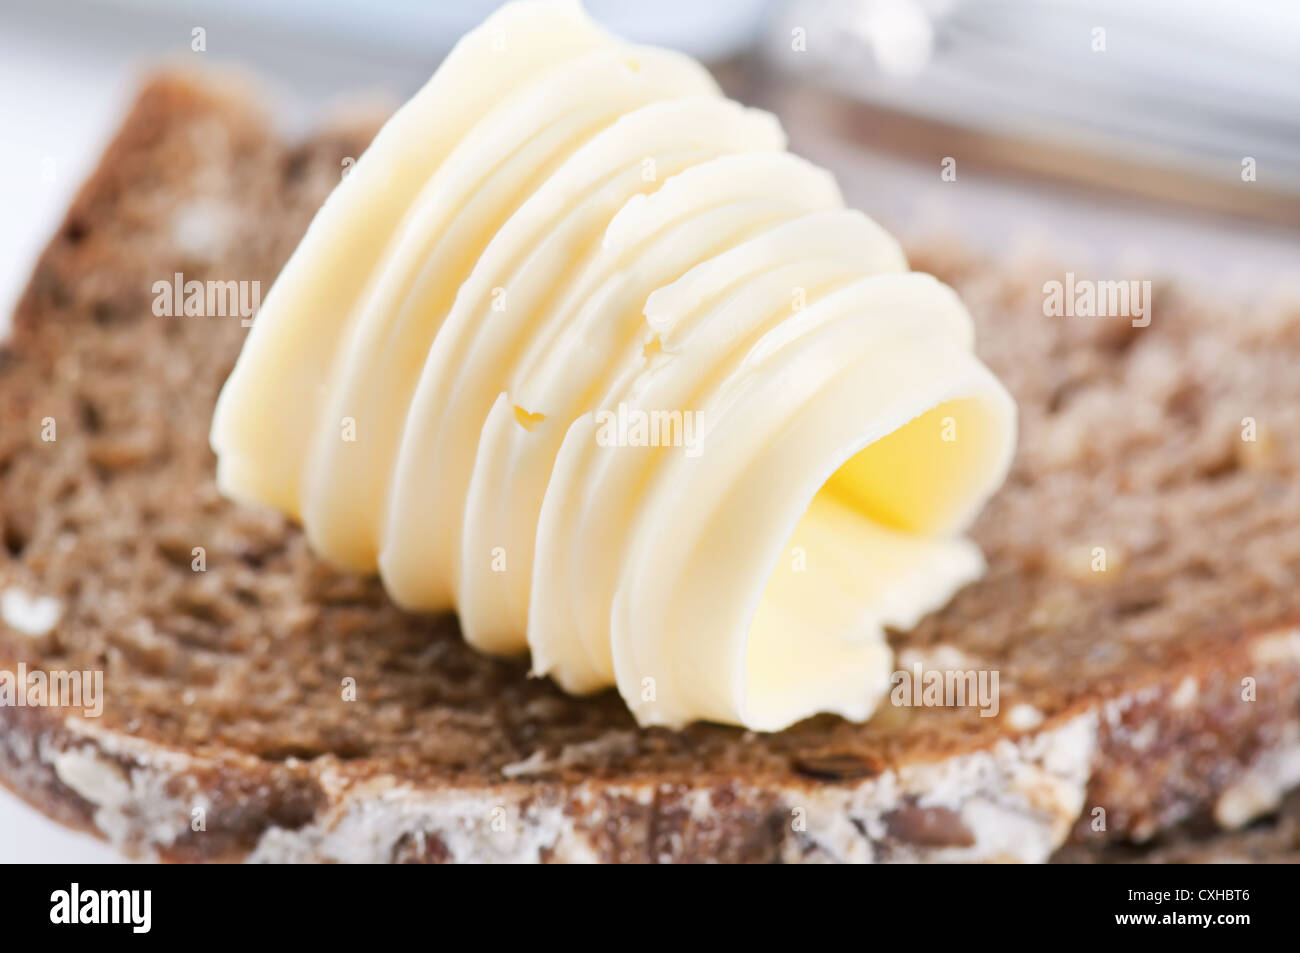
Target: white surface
point(29, 837)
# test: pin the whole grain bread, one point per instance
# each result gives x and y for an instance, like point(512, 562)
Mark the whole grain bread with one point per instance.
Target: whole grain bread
point(1161, 691)
point(1271, 840)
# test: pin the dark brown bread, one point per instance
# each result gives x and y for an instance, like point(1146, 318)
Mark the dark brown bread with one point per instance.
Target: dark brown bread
point(1275, 840)
point(1121, 707)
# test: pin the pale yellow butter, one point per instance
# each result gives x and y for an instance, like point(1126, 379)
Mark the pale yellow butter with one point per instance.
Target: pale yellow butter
point(578, 350)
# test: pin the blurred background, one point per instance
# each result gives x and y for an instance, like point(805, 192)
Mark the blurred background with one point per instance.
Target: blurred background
point(1158, 138)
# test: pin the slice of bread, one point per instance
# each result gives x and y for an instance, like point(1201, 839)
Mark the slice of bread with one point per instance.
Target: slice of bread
point(1162, 689)
point(1272, 841)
